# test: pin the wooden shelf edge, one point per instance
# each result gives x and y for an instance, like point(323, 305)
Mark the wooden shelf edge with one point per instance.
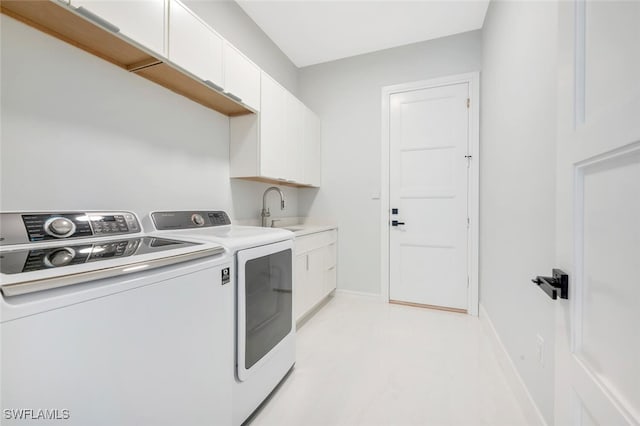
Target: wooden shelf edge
point(273, 181)
point(172, 78)
point(37, 14)
point(59, 21)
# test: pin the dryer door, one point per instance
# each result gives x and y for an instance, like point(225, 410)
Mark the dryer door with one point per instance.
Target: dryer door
point(265, 303)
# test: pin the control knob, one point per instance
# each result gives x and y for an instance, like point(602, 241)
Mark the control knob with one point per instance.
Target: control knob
point(59, 227)
point(59, 257)
point(197, 219)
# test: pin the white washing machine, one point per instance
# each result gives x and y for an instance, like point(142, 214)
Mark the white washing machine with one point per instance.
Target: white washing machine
point(103, 325)
point(263, 274)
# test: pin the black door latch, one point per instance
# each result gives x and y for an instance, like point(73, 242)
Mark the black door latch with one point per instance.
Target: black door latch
point(551, 285)
point(396, 223)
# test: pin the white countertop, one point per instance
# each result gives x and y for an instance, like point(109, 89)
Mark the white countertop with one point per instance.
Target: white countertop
point(293, 224)
point(301, 230)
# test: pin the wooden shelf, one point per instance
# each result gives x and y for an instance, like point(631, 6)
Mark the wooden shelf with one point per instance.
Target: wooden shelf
point(177, 81)
point(274, 181)
point(61, 22)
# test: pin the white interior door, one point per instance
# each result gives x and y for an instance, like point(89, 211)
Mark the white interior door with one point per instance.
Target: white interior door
point(429, 139)
point(598, 210)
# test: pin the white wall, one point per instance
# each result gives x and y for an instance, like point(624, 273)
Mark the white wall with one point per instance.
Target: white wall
point(80, 133)
point(236, 26)
point(517, 183)
point(346, 94)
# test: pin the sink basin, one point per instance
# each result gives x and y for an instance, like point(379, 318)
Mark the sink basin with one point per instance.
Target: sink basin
point(294, 228)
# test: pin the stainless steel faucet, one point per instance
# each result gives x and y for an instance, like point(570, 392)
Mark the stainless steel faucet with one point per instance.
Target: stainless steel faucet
point(265, 211)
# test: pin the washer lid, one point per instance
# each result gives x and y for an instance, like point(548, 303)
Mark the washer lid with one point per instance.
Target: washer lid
point(215, 225)
point(235, 237)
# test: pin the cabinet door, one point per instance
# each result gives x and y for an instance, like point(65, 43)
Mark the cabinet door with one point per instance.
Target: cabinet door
point(316, 276)
point(294, 138)
point(140, 20)
point(330, 280)
point(273, 155)
point(193, 45)
point(312, 149)
point(330, 268)
point(300, 291)
point(241, 77)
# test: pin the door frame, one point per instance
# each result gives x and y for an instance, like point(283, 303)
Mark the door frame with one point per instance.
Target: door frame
point(473, 79)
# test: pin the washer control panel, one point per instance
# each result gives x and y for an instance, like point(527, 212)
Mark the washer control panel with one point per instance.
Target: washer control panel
point(42, 256)
point(164, 221)
point(18, 228)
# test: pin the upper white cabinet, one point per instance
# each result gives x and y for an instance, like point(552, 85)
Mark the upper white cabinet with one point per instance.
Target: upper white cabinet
point(312, 148)
point(143, 21)
point(241, 77)
point(194, 46)
point(134, 35)
point(294, 138)
point(281, 144)
point(270, 138)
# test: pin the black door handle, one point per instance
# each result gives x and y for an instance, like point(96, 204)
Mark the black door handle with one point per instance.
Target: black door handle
point(396, 223)
point(551, 285)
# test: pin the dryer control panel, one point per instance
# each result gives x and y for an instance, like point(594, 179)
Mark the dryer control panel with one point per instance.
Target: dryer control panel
point(20, 228)
point(164, 221)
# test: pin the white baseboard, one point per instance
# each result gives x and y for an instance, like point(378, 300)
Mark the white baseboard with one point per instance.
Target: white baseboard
point(359, 293)
point(530, 409)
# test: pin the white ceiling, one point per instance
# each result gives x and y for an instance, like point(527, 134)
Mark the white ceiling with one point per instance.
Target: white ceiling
point(314, 31)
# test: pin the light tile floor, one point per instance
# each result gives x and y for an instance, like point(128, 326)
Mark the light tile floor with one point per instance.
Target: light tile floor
point(361, 361)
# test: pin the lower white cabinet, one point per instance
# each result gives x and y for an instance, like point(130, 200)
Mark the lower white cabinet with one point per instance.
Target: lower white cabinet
point(315, 270)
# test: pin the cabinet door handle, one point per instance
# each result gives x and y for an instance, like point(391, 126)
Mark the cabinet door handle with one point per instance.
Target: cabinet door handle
point(234, 97)
point(97, 19)
point(213, 85)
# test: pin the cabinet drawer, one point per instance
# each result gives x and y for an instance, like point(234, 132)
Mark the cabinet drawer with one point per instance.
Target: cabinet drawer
point(307, 243)
point(314, 241)
point(331, 236)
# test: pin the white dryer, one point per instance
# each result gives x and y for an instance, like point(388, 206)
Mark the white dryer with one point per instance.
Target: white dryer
point(103, 325)
point(263, 274)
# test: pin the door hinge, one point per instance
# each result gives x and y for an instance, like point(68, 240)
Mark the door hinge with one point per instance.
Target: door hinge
point(468, 102)
point(468, 281)
point(468, 223)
